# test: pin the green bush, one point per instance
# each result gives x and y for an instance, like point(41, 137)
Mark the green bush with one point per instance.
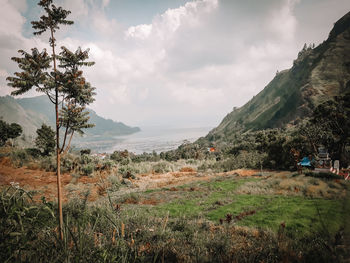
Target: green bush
point(33, 152)
point(128, 171)
point(324, 175)
point(115, 183)
point(86, 159)
point(162, 167)
point(20, 157)
point(69, 162)
point(87, 169)
point(85, 151)
point(107, 164)
point(48, 163)
point(20, 222)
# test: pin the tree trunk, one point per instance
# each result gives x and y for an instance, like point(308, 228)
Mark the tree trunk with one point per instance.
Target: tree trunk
point(58, 157)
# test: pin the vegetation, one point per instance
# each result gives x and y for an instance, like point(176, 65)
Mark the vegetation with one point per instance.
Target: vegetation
point(9, 131)
point(220, 215)
point(67, 87)
point(216, 221)
point(328, 126)
point(293, 94)
point(45, 139)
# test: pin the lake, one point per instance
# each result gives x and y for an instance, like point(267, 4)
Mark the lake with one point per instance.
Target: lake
point(157, 139)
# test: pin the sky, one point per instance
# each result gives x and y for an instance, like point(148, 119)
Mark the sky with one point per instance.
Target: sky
point(175, 63)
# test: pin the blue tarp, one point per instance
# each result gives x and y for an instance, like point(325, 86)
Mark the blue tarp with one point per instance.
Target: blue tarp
point(305, 162)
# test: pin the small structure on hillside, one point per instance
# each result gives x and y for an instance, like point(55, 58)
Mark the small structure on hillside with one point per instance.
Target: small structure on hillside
point(211, 149)
point(323, 161)
point(305, 162)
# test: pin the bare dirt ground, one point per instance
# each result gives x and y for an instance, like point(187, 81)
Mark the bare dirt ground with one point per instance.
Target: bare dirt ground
point(45, 183)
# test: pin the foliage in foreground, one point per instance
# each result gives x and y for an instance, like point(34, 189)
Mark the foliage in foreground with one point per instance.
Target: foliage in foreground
point(110, 234)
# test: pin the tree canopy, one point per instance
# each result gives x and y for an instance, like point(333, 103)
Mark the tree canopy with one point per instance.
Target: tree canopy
point(9, 131)
point(45, 139)
point(60, 77)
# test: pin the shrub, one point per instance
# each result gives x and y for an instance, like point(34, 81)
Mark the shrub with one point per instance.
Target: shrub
point(324, 175)
point(115, 183)
point(68, 163)
point(162, 167)
point(128, 171)
point(33, 152)
point(87, 169)
point(48, 163)
point(20, 157)
point(107, 164)
point(85, 151)
point(85, 159)
point(20, 222)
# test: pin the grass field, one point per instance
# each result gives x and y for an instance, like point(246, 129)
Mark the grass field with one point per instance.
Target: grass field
point(302, 215)
point(276, 217)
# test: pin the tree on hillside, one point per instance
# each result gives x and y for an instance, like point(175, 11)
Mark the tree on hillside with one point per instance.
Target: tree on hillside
point(45, 139)
point(9, 131)
point(333, 117)
point(58, 76)
point(330, 126)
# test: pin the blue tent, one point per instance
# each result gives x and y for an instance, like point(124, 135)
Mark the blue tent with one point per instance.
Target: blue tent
point(305, 162)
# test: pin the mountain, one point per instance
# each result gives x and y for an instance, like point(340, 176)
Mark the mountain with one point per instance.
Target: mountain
point(30, 113)
point(318, 74)
point(11, 111)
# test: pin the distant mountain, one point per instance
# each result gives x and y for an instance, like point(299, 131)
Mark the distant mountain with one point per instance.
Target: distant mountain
point(12, 111)
point(318, 74)
point(30, 113)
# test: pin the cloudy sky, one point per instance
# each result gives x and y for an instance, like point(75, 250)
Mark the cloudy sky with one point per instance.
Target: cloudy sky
point(182, 63)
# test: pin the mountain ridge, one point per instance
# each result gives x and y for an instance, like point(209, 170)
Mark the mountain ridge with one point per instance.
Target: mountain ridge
point(30, 113)
point(318, 74)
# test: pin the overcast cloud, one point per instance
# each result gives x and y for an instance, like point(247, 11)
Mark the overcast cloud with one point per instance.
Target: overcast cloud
point(179, 63)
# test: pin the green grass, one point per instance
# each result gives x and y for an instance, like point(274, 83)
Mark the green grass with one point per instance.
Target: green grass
point(214, 200)
point(196, 203)
point(300, 215)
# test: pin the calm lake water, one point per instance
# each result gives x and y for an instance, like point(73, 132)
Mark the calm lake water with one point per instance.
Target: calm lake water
point(157, 139)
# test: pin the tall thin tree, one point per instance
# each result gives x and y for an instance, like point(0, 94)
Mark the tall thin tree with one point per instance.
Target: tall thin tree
point(67, 89)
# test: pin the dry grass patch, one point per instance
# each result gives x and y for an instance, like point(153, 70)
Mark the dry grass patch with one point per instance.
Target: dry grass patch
point(295, 185)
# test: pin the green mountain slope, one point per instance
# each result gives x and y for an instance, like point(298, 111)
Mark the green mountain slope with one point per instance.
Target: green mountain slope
point(318, 74)
point(30, 113)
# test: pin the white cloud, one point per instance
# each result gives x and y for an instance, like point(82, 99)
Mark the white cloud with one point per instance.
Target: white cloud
point(11, 21)
point(78, 8)
point(140, 31)
point(102, 25)
point(283, 22)
point(166, 24)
